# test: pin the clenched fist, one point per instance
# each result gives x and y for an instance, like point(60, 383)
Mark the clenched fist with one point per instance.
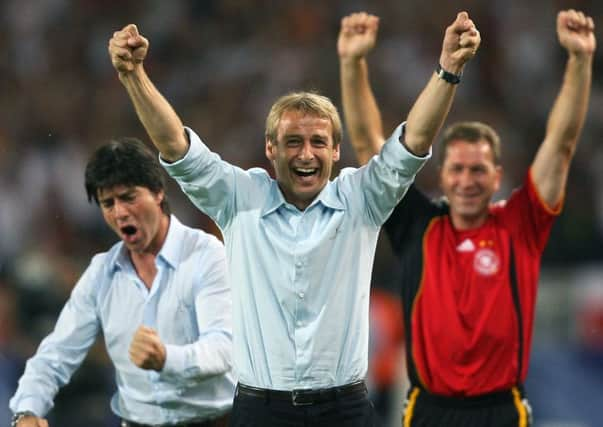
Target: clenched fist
point(146, 350)
point(32, 421)
point(127, 49)
point(461, 41)
point(357, 36)
point(576, 32)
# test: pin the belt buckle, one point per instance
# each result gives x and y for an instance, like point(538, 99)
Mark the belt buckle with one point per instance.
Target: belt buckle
point(296, 395)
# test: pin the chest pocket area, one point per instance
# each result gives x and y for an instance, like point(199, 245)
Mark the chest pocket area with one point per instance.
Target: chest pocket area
point(179, 325)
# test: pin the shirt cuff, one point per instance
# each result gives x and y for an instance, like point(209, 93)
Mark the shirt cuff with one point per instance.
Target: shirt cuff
point(191, 161)
point(175, 360)
point(31, 404)
point(397, 156)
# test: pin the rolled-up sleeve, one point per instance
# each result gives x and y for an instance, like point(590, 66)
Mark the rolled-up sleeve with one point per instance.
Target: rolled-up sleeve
point(61, 352)
point(210, 354)
point(384, 180)
point(206, 179)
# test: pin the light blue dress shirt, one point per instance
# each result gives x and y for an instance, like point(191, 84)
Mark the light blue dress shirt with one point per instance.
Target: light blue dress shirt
point(189, 304)
point(300, 279)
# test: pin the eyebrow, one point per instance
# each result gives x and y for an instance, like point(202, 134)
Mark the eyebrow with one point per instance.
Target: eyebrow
point(125, 193)
point(299, 135)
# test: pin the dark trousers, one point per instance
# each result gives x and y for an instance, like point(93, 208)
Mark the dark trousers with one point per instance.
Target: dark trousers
point(502, 409)
point(352, 409)
point(221, 421)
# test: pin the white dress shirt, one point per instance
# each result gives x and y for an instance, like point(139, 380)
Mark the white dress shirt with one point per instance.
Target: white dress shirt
point(300, 278)
point(189, 304)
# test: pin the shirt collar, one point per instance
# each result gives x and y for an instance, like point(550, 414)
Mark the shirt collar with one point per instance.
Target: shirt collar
point(328, 197)
point(170, 251)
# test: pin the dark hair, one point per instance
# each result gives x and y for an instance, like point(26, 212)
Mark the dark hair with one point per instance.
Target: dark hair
point(124, 161)
point(472, 132)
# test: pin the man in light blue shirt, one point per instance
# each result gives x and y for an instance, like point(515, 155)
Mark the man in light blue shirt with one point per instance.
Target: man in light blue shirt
point(161, 298)
point(300, 247)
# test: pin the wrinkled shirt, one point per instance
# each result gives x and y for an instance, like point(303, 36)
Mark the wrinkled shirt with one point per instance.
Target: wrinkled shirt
point(300, 278)
point(189, 304)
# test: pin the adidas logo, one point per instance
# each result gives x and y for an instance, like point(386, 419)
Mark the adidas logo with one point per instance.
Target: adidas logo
point(466, 246)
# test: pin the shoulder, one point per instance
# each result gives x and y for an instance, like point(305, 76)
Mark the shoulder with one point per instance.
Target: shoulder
point(104, 262)
point(260, 176)
point(344, 181)
point(498, 206)
point(201, 243)
point(98, 274)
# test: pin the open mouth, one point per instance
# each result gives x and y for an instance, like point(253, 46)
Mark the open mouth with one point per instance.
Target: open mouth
point(129, 230)
point(305, 172)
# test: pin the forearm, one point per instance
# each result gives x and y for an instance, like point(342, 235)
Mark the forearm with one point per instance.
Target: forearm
point(428, 114)
point(57, 358)
point(362, 116)
point(36, 392)
point(568, 114)
point(566, 119)
point(208, 357)
point(157, 116)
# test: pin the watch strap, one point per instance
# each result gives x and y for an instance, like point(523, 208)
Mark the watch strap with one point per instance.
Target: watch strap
point(453, 79)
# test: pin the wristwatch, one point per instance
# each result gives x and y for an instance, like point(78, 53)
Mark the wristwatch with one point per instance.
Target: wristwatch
point(453, 79)
point(18, 415)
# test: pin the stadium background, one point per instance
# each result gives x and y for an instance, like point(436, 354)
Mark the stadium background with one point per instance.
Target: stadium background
point(222, 64)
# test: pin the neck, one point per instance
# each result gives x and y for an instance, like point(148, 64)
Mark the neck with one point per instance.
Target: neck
point(144, 262)
point(463, 223)
point(298, 203)
point(156, 243)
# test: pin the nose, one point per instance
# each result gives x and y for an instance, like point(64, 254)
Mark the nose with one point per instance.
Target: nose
point(119, 210)
point(466, 178)
point(306, 153)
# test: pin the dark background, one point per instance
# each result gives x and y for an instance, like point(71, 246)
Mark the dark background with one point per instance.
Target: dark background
point(221, 64)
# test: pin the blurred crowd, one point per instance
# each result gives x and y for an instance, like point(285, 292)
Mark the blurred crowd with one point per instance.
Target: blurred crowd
point(222, 63)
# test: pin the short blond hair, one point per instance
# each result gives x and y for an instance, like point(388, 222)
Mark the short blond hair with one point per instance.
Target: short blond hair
point(307, 103)
point(471, 132)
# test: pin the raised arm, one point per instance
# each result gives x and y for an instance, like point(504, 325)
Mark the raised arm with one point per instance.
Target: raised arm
point(427, 115)
point(128, 49)
point(461, 41)
point(566, 119)
point(357, 38)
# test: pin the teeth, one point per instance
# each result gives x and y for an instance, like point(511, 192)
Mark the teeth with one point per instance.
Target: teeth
point(306, 170)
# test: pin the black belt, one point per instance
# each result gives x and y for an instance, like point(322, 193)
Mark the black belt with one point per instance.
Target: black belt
point(482, 400)
point(302, 397)
point(220, 421)
point(125, 423)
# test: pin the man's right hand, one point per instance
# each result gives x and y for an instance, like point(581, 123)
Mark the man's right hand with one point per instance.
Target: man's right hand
point(32, 421)
point(357, 36)
point(461, 41)
point(127, 49)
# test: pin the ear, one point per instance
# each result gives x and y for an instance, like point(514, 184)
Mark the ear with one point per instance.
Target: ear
point(270, 150)
point(159, 196)
point(440, 177)
point(336, 152)
point(499, 175)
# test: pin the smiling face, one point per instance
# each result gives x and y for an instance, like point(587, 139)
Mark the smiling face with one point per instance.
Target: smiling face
point(469, 178)
point(302, 155)
point(134, 213)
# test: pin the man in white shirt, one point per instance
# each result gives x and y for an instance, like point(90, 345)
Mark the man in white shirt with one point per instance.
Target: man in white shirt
point(161, 298)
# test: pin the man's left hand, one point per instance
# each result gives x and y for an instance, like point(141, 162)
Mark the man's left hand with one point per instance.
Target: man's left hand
point(576, 32)
point(146, 349)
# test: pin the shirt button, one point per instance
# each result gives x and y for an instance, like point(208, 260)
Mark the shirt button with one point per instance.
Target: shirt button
point(301, 295)
point(298, 264)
